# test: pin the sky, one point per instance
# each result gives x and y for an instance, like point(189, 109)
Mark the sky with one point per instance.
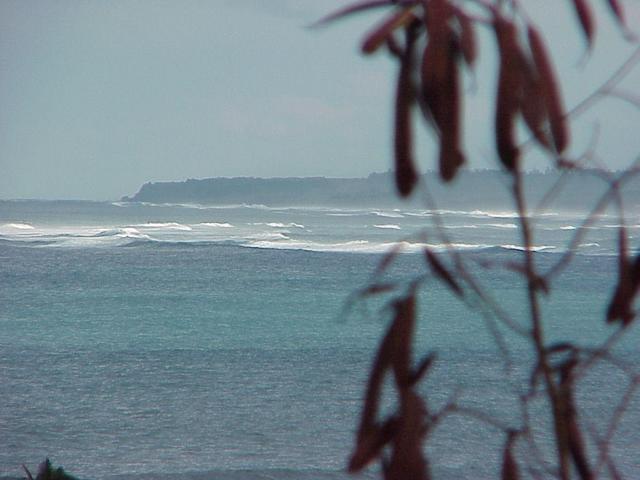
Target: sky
point(98, 97)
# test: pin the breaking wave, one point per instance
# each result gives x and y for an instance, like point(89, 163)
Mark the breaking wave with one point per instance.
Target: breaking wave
point(18, 226)
point(388, 227)
point(215, 224)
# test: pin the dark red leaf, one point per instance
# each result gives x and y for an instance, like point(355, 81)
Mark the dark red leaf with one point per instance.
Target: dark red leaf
point(585, 16)
point(407, 458)
point(382, 32)
point(406, 176)
point(509, 465)
point(550, 90)
point(468, 43)
point(440, 271)
point(509, 91)
point(616, 8)
point(351, 9)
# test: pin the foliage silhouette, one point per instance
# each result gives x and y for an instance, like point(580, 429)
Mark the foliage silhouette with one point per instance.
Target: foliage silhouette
point(433, 41)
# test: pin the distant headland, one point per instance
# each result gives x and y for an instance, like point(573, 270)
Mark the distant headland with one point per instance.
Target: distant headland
point(472, 189)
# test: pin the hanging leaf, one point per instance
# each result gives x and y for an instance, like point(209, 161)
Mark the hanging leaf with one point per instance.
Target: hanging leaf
point(450, 121)
point(383, 32)
point(422, 368)
point(405, 173)
point(621, 305)
point(407, 458)
point(369, 447)
point(550, 91)
point(534, 111)
point(577, 449)
point(509, 90)
point(440, 271)
point(616, 8)
point(438, 14)
point(403, 326)
point(382, 362)
point(468, 43)
point(433, 71)
point(585, 16)
point(509, 469)
point(351, 9)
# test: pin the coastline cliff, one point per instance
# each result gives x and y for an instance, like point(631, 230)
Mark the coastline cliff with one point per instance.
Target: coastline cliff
point(472, 189)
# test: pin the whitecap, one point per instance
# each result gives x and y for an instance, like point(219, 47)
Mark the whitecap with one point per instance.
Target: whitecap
point(18, 226)
point(354, 246)
point(393, 214)
point(534, 248)
point(268, 236)
point(502, 225)
point(388, 227)
point(565, 227)
point(281, 225)
point(215, 224)
point(167, 225)
point(494, 214)
point(419, 214)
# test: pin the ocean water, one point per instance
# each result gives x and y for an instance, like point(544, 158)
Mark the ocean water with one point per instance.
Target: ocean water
point(185, 341)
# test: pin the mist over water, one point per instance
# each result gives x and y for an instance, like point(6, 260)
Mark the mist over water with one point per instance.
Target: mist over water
point(188, 341)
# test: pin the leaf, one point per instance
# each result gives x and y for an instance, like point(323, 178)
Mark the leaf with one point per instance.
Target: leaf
point(440, 86)
point(468, 43)
point(387, 259)
point(509, 465)
point(433, 71)
point(382, 33)
point(403, 325)
point(534, 111)
point(440, 271)
point(26, 470)
point(620, 306)
point(438, 13)
point(407, 458)
point(449, 117)
point(369, 447)
point(577, 449)
point(616, 8)
point(550, 91)
point(377, 289)
point(351, 9)
point(422, 368)
point(405, 173)
point(585, 16)
point(509, 87)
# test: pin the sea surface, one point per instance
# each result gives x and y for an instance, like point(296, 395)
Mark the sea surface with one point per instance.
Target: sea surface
point(197, 342)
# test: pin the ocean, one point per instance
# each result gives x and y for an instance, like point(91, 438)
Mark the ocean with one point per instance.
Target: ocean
point(185, 341)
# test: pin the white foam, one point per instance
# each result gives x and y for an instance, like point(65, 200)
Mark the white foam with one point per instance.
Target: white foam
point(534, 248)
point(355, 246)
point(285, 225)
point(388, 227)
point(482, 213)
point(216, 225)
point(424, 214)
point(168, 225)
point(268, 236)
point(502, 225)
point(18, 226)
point(393, 214)
point(565, 227)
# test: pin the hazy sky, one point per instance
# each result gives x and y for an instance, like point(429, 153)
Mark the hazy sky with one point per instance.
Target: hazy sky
point(100, 96)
